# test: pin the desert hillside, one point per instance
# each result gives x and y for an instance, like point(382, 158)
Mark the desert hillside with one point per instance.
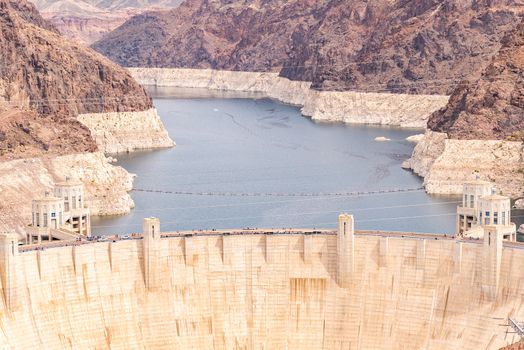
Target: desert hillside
point(88, 20)
point(247, 36)
point(423, 47)
point(491, 107)
point(47, 81)
point(62, 107)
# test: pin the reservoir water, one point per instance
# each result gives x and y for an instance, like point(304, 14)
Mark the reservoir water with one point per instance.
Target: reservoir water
point(243, 160)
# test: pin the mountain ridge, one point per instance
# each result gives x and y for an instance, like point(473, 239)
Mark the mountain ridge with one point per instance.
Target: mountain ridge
point(47, 81)
point(419, 47)
point(86, 21)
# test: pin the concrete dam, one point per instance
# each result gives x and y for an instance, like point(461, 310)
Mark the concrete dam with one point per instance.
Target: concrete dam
point(341, 289)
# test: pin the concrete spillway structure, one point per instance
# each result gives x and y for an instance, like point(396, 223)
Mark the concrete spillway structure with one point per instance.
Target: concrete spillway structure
point(326, 290)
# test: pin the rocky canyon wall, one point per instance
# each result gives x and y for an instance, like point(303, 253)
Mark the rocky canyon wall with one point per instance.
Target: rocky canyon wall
point(61, 106)
point(21, 180)
point(350, 107)
point(120, 132)
point(446, 163)
point(261, 292)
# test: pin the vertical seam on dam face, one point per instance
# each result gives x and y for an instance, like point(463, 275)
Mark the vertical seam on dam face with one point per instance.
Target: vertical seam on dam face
point(257, 290)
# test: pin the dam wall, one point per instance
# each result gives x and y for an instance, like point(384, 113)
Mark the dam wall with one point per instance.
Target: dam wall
point(447, 163)
point(331, 106)
point(264, 291)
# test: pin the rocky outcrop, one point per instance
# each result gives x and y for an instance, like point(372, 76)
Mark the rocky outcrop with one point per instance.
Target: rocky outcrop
point(480, 129)
point(106, 185)
point(419, 47)
point(427, 150)
point(372, 108)
point(250, 35)
point(447, 163)
point(349, 107)
point(59, 77)
point(25, 134)
point(422, 47)
point(86, 22)
point(47, 82)
point(120, 132)
point(493, 106)
point(60, 103)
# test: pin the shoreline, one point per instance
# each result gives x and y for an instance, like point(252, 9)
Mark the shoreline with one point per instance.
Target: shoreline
point(350, 107)
point(443, 163)
point(107, 186)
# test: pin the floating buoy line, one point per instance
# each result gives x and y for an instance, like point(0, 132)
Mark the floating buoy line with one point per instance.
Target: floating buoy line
point(281, 194)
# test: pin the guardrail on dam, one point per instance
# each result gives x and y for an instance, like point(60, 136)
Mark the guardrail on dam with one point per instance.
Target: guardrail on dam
point(320, 290)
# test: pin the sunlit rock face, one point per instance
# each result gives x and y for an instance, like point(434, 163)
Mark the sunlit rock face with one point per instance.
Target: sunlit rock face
point(353, 107)
point(106, 186)
point(88, 21)
point(62, 106)
point(48, 81)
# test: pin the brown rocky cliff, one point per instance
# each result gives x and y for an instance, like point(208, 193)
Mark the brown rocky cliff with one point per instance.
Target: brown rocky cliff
point(493, 106)
point(30, 14)
point(46, 82)
point(411, 46)
point(250, 36)
point(402, 46)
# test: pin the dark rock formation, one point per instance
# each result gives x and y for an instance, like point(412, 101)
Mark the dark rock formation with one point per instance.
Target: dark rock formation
point(423, 47)
point(249, 35)
point(46, 82)
point(493, 106)
point(411, 46)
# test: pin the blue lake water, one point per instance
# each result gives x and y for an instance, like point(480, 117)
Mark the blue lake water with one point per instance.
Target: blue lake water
point(240, 148)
